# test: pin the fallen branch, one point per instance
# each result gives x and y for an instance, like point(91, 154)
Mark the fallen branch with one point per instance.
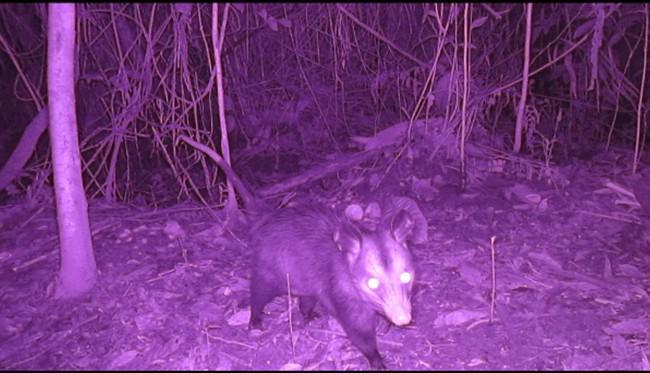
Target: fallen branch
point(317, 172)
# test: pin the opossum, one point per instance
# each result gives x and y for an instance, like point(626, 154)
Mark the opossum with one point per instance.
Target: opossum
point(354, 264)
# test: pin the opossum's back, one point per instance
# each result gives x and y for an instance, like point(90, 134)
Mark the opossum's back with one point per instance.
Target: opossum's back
point(298, 241)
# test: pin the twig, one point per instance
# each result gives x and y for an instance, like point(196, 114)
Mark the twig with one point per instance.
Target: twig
point(236, 343)
point(56, 343)
point(381, 37)
point(465, 98)
point(22, 225)
point(339, 334)
point(494, 13)
point(550, 63)
point(494, 279)
point(638, 141)
point(219, 160)
point(609, 217)
point(161, 275)
point(293, 353)
point(47, 255)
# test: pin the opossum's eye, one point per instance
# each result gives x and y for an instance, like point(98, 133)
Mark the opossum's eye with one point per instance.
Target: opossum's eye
point(373, 283)
point(405, 277)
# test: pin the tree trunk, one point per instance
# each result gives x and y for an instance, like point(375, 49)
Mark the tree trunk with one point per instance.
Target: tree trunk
point(78, 272)
point(24, 149)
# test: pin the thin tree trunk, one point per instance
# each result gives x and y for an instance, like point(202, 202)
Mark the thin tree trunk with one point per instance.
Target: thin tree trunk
point(78, 272)
point(24, 150)
point(217, 44)
point(516, 148)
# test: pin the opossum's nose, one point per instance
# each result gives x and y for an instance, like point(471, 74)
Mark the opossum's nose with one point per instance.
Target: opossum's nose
point(402, 319)
point(399, 311)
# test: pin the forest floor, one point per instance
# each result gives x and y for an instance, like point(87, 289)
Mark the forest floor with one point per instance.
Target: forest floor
point(571, 268)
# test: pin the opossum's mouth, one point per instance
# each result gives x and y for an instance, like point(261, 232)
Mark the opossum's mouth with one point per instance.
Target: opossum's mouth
point(398, 313)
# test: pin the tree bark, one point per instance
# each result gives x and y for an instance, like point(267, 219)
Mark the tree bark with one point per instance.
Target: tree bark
point(78, 272)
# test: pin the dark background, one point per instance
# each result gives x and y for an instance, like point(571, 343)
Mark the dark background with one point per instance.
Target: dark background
point(301, 79)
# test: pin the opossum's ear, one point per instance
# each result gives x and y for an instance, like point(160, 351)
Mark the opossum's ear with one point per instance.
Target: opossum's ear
point(354, 212)
point(373, 211)
point(348, 241)
point(367, 218)
point(402, 226)
point(419, 234)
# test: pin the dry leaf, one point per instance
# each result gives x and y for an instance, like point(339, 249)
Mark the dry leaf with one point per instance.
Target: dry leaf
point(457, 317)
point(547, 259)
point(630, 270)
point(291, 366)
point(240, 317)
point(633, 326)
point(619, 346)
point(173, 229)
point(608, 268)
point(124, 358)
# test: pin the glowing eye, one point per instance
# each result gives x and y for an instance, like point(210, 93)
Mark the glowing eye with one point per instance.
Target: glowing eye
point(405, 278)
point(373, 283)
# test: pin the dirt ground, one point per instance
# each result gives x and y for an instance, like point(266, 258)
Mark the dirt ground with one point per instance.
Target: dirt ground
point(571, 270)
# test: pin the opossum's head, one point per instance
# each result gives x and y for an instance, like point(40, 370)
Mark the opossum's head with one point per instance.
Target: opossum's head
point(381, 265)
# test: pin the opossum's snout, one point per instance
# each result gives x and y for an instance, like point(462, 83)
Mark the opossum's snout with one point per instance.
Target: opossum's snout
point(396, 305)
